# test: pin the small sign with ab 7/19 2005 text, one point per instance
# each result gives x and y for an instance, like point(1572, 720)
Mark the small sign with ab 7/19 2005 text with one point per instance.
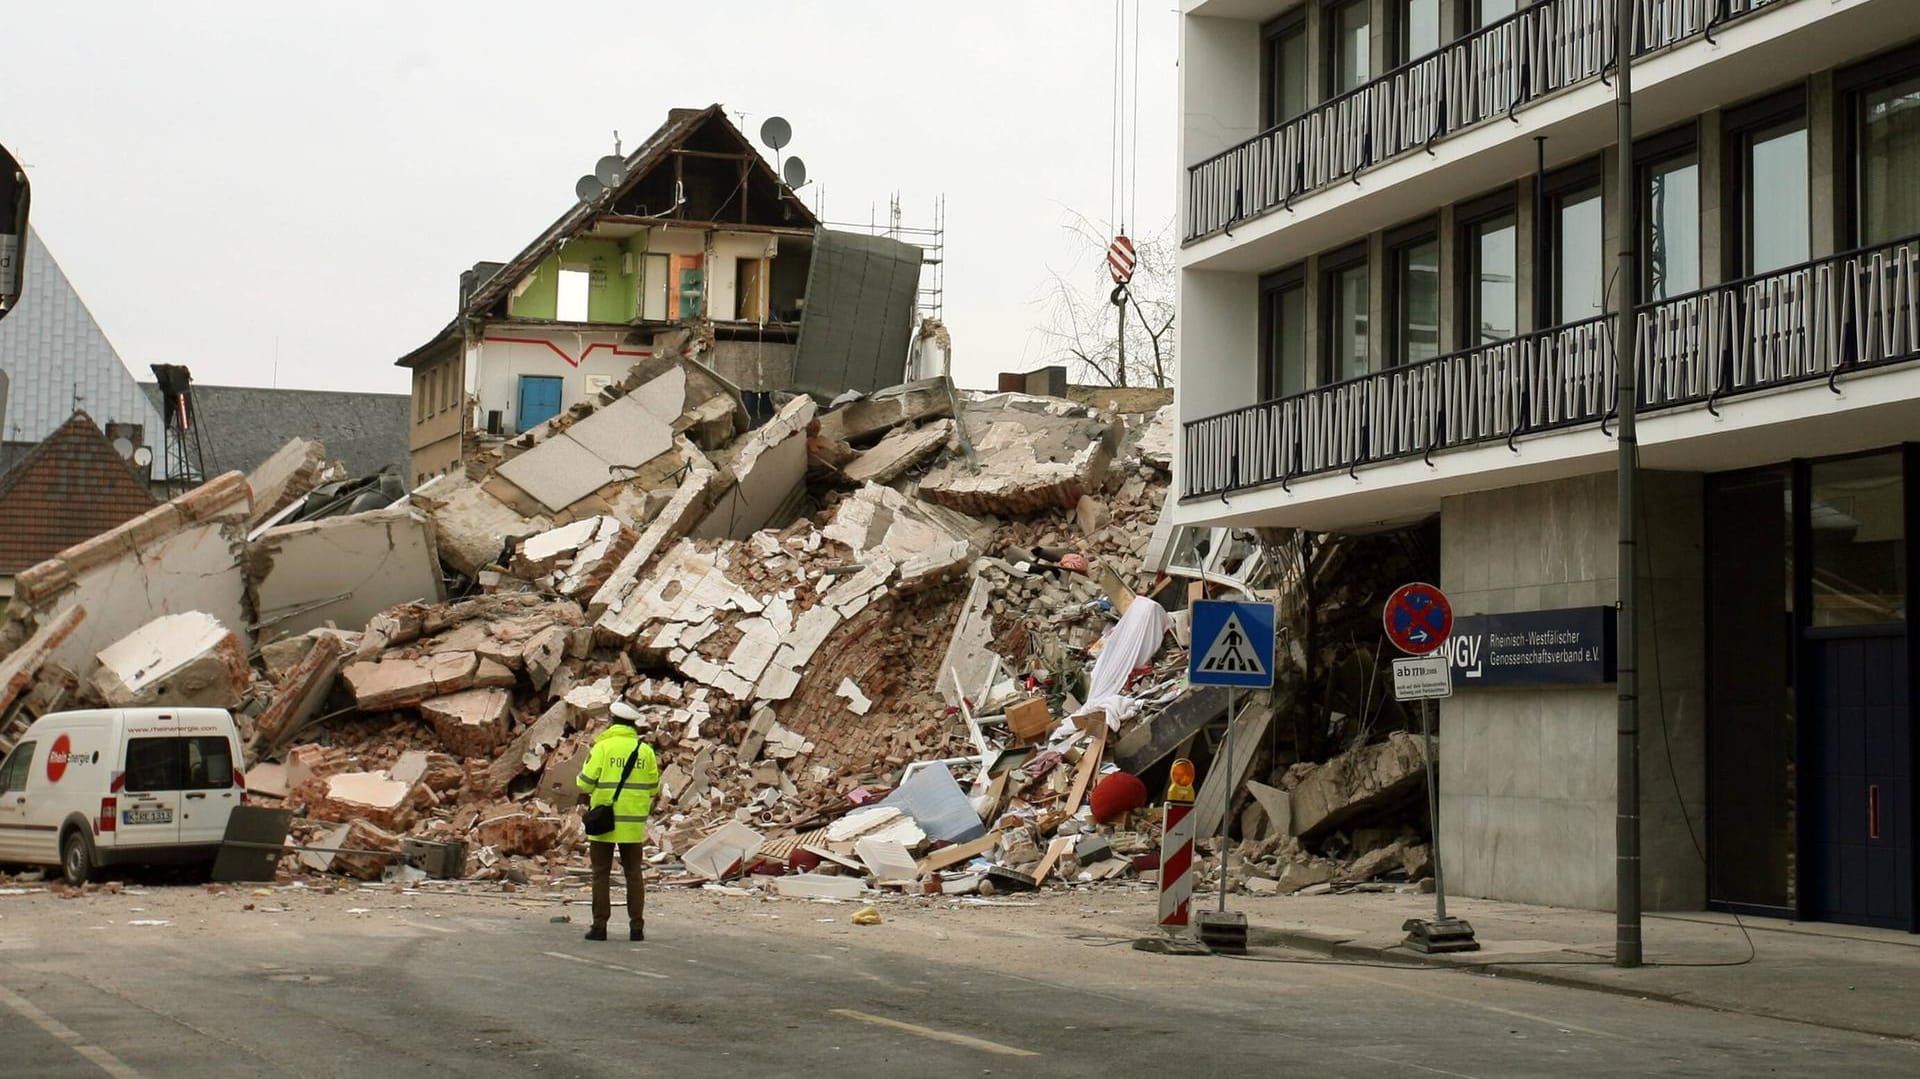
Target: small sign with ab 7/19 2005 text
point(1421, 678)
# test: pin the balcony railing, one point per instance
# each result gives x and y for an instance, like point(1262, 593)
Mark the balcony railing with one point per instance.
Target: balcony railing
point(1486, 75)
point(1815, 321)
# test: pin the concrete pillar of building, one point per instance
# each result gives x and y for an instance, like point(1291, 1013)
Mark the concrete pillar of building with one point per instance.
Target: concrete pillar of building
point(1713, 239)
point(1825, 174)
point(1316, 337)
point(1378, 273)
point(1449, 276)
point(1379, 25)
point(1316, 53)
point(1527, 802)
point(1222, 69)
point(1218, 337)
point(1525, 238)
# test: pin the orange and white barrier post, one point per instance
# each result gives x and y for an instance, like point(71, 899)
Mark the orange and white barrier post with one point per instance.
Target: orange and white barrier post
point(1176, 848)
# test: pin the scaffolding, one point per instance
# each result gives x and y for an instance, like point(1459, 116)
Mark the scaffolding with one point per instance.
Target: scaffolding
point(930, 239)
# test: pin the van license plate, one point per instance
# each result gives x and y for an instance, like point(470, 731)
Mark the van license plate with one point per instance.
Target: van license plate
point(147, 816)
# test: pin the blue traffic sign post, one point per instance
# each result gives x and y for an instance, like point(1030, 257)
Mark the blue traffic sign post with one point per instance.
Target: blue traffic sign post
point(1232, 647)
point(1419, 620)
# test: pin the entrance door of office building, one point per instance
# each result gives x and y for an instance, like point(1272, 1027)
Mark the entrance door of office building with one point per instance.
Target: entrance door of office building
point(1810, 730)
point(1858, 782)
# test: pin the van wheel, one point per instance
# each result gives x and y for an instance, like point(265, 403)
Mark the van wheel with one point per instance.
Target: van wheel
point(76, 859)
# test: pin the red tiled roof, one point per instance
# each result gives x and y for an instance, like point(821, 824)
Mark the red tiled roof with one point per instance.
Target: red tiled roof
point(69, 488)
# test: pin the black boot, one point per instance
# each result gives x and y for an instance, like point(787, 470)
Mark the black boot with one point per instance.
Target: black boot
point(598, 932)
point(637, 932)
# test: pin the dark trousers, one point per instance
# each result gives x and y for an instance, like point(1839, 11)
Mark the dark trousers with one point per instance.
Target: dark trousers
point(631, 863)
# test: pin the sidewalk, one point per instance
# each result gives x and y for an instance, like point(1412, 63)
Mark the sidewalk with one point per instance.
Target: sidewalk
point(1845, 977)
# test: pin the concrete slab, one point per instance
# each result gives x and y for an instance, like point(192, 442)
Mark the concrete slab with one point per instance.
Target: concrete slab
point(343, 570)
point(557, 473)
point(186, 659)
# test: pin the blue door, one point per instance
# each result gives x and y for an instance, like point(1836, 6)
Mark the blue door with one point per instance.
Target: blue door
point(539, 401)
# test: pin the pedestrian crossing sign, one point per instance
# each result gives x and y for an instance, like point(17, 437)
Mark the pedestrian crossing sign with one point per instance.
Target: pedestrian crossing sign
point(1232, 644)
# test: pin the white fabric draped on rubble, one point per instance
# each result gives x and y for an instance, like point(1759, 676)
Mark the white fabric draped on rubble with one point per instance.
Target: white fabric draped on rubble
point(1133, 642)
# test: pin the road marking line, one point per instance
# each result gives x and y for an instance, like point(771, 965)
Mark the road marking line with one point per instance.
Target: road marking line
point(609, 966)
point(106, 1061)
point(937, 1035)
point(429, 928)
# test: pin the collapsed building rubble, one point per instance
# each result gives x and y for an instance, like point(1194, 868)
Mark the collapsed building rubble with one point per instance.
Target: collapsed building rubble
point(923, 641)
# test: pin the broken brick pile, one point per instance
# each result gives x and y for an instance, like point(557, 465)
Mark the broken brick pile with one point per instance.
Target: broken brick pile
point(860, 638)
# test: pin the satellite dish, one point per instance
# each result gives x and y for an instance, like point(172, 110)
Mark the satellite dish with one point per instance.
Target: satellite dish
point(143, 457)
point(610, 170)
point(776, 132)
point(589, 189)
point(794, 172)
point(123, 446)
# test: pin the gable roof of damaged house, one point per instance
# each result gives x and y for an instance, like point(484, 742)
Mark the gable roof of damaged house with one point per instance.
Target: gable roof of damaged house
point(66, 490)
point(682, 126)
point(52, 349)
point(245, 425)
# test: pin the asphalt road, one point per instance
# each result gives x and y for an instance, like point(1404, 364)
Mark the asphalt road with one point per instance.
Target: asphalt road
point(373, 985)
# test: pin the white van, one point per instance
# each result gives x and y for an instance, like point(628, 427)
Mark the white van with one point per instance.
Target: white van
point(117, 786)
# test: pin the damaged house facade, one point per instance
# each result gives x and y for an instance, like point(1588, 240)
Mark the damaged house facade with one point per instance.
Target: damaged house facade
point(1400, 220)
point(698, 248)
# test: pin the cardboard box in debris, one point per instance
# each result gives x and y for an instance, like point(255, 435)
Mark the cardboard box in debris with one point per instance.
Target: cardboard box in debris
point(892, 644)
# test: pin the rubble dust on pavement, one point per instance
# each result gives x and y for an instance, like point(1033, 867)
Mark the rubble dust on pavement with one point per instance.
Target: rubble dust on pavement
point(927, 642)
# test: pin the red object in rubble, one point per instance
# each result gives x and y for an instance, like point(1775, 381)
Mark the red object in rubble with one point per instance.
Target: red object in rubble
point(1073, 562)
point(1117, 795)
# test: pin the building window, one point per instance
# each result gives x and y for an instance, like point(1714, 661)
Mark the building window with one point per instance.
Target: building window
point(451, 393)
point(1283, 338)
point(1283, 70)
point(1343, 289)
point(1857, 518)
point(571, 305)
point(1416, 29)
point(420, 400)
point(1578, 235)
point(1768, 189)
point(1490, 283)
point(1349, 35)
point(1485, 13)
point(1669, 186)
point(1414, 299)
point(1886, 162)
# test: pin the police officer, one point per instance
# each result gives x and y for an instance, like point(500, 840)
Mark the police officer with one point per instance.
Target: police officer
point(599, 782)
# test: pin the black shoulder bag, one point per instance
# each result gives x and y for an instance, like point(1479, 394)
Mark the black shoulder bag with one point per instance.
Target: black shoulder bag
point(598, 820)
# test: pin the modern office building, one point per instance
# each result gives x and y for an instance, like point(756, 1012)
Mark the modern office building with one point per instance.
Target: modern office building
point(1398, 305)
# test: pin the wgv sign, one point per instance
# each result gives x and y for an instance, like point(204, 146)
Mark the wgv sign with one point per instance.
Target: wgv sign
point(1573, 646)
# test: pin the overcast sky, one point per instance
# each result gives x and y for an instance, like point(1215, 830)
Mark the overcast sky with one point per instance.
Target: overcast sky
point(228, 182)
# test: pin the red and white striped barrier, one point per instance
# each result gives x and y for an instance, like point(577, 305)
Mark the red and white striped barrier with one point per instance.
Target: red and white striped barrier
point(1176, 865)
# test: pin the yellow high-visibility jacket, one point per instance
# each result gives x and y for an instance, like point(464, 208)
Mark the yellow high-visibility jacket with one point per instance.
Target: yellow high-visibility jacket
point(601, 775)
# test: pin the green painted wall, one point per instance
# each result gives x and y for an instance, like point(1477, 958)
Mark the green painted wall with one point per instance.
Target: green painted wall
point(542, 296)
point(612, 295)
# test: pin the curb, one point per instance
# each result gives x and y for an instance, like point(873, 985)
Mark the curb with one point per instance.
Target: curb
point(1299, 940)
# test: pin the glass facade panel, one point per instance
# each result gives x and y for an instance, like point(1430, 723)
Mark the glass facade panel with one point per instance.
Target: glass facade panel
point(1857, 511)
point(1488, 12)
point(1418, 30)
point(1492, 295)
point(1776, 198)
point(1287, 342)
point(1416, 302)
point(1287, 72)
point(1889, 166)
point(1671, 266)
point(1347, 323)
point(1579, 257)
point(1350, 47)
point(1750, 705)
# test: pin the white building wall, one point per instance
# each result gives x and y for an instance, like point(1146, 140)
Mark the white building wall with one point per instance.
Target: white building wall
point(578, 358)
